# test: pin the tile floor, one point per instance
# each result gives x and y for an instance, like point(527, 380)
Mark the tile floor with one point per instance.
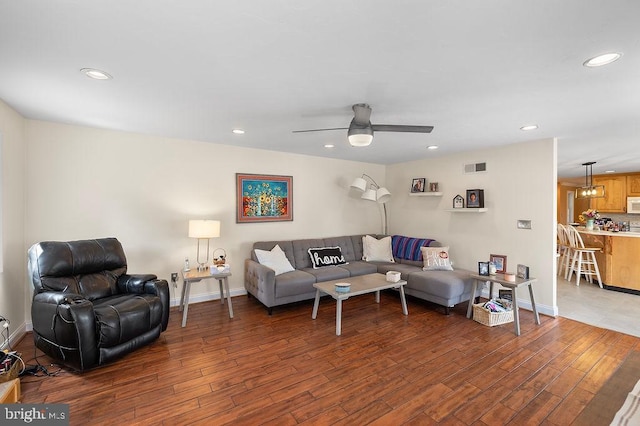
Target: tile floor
point(592, 305)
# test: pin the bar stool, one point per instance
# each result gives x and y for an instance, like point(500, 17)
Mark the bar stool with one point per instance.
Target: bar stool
point(564, 250)
point(583, 261)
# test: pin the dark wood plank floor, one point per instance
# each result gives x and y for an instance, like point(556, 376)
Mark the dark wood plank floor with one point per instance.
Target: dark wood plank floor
point(287, 369)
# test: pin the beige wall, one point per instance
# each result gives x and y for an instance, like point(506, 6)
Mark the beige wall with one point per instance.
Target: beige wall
point(13, 291)
point(520, 183)
point(87, 183)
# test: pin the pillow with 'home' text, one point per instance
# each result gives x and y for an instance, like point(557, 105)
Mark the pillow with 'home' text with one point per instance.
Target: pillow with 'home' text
point(326, 256)
point(436, 259)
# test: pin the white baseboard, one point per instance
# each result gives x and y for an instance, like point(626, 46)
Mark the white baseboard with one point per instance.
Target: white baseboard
point(205, 297)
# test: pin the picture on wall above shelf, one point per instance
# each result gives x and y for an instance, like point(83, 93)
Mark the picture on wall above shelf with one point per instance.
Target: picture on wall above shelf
point(425, 194)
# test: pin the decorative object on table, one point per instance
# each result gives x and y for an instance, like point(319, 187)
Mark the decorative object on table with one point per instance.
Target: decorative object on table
point(589, 190)
point(500, 261)
point(203, 229)
point(219, 256)
point(219, 269)
point(589, 216)
point(374, 193)
point(263, 198)
point(418, 185)
point(343, 287)
point(433, 187)
point(475, 198)
point(458, 202)
point(483, 268)
point(186, 264)
point(523, 272)
point(393, 276)
point(510, 276)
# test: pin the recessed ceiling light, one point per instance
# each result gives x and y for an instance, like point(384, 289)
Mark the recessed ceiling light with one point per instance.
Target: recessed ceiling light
point(329, 145)
point(238, 131)
point(96, 74)
point(529, 127)
point(601, 60)
point(432, 147)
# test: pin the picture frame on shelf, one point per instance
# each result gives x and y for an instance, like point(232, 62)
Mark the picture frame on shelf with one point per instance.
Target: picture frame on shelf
point(458, 202)
point(483, 268)
point(263, 198)
point(500, 261)
point(433, 187)
point(523, 272)
point(418, 185)
point(475, 198)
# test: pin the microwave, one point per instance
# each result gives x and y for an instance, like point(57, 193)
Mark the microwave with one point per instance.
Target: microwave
point(633, 205)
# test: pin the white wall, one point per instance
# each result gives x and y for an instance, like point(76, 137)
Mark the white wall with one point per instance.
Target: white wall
point(520, 183)
point(13, 293)
point(88, 183)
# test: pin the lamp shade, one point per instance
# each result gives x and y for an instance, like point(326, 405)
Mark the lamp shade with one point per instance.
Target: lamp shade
point(204, 228)
point(369, 194)
point(359, 183)
point(383, 195)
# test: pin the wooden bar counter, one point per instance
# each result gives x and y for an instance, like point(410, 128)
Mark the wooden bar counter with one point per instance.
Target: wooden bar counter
point(619, 260)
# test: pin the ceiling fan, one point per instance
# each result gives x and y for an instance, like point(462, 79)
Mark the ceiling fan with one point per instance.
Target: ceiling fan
point(360, 131)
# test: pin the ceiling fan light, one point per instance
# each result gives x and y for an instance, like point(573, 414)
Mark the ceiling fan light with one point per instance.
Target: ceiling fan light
point(360, 139)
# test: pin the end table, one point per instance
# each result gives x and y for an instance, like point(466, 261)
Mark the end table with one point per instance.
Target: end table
point(193, 276)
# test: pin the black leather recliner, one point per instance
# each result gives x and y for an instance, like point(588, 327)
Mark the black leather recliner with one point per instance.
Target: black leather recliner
point(86, 309)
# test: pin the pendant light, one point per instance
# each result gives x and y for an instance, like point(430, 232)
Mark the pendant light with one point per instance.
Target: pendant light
point(589, 190)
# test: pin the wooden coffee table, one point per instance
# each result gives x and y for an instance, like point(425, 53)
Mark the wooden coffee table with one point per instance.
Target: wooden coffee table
point(362, 284)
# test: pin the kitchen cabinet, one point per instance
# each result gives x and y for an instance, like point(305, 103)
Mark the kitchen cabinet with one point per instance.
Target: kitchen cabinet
point(633, 185)
point(615, 194)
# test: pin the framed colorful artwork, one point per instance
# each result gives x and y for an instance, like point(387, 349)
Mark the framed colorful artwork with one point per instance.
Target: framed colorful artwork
point(263, 198)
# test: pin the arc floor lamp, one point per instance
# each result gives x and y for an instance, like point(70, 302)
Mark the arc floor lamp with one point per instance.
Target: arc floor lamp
point(371, 191)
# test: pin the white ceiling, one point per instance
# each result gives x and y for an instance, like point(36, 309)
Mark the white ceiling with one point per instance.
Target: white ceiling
point(196, 69)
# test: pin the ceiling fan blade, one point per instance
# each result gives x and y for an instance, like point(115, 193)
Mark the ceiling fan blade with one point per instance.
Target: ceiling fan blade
point(401, 128)
point(319, 130)
point(362, 114)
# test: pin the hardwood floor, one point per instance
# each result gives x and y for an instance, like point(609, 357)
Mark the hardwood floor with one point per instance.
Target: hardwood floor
point(386, 368)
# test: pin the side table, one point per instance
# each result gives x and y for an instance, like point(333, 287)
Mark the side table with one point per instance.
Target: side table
point(193, 276)
point(10, 392)
point(512, 285)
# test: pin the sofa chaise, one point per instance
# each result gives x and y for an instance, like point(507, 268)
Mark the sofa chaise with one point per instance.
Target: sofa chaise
point(273, 287)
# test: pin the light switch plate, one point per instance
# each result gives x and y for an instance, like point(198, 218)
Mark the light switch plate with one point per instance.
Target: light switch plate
point(524, 224)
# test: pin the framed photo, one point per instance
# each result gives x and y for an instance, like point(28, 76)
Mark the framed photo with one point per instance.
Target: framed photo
point(475, 198)
point(483, 268)
point(500, 261)
point(458, 202)
point(418, 184)
point(263, 198)
point(505, 294)
point(523, 272)
point(433, 187)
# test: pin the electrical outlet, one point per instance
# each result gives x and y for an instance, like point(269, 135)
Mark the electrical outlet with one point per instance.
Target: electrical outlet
point(174, 277)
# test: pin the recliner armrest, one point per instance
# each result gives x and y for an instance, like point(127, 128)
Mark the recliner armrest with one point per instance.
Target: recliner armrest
point(128, 283)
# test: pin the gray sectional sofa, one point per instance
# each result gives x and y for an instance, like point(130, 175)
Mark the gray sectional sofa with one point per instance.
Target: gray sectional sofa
point(445, 288)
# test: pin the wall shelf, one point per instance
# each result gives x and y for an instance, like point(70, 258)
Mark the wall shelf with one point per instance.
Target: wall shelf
point(468, 210)
point(425, 194)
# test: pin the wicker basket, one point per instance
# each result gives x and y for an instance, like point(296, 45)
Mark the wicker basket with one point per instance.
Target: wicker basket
point(13, 372)
point(486, 317)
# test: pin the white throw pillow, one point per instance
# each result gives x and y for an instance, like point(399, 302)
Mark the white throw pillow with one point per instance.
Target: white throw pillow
point(436, 259)
point(374, 250)
point(274, 259)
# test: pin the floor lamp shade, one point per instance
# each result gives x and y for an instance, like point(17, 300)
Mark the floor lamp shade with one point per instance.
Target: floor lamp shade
point(204, 228)
point(359, 183)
